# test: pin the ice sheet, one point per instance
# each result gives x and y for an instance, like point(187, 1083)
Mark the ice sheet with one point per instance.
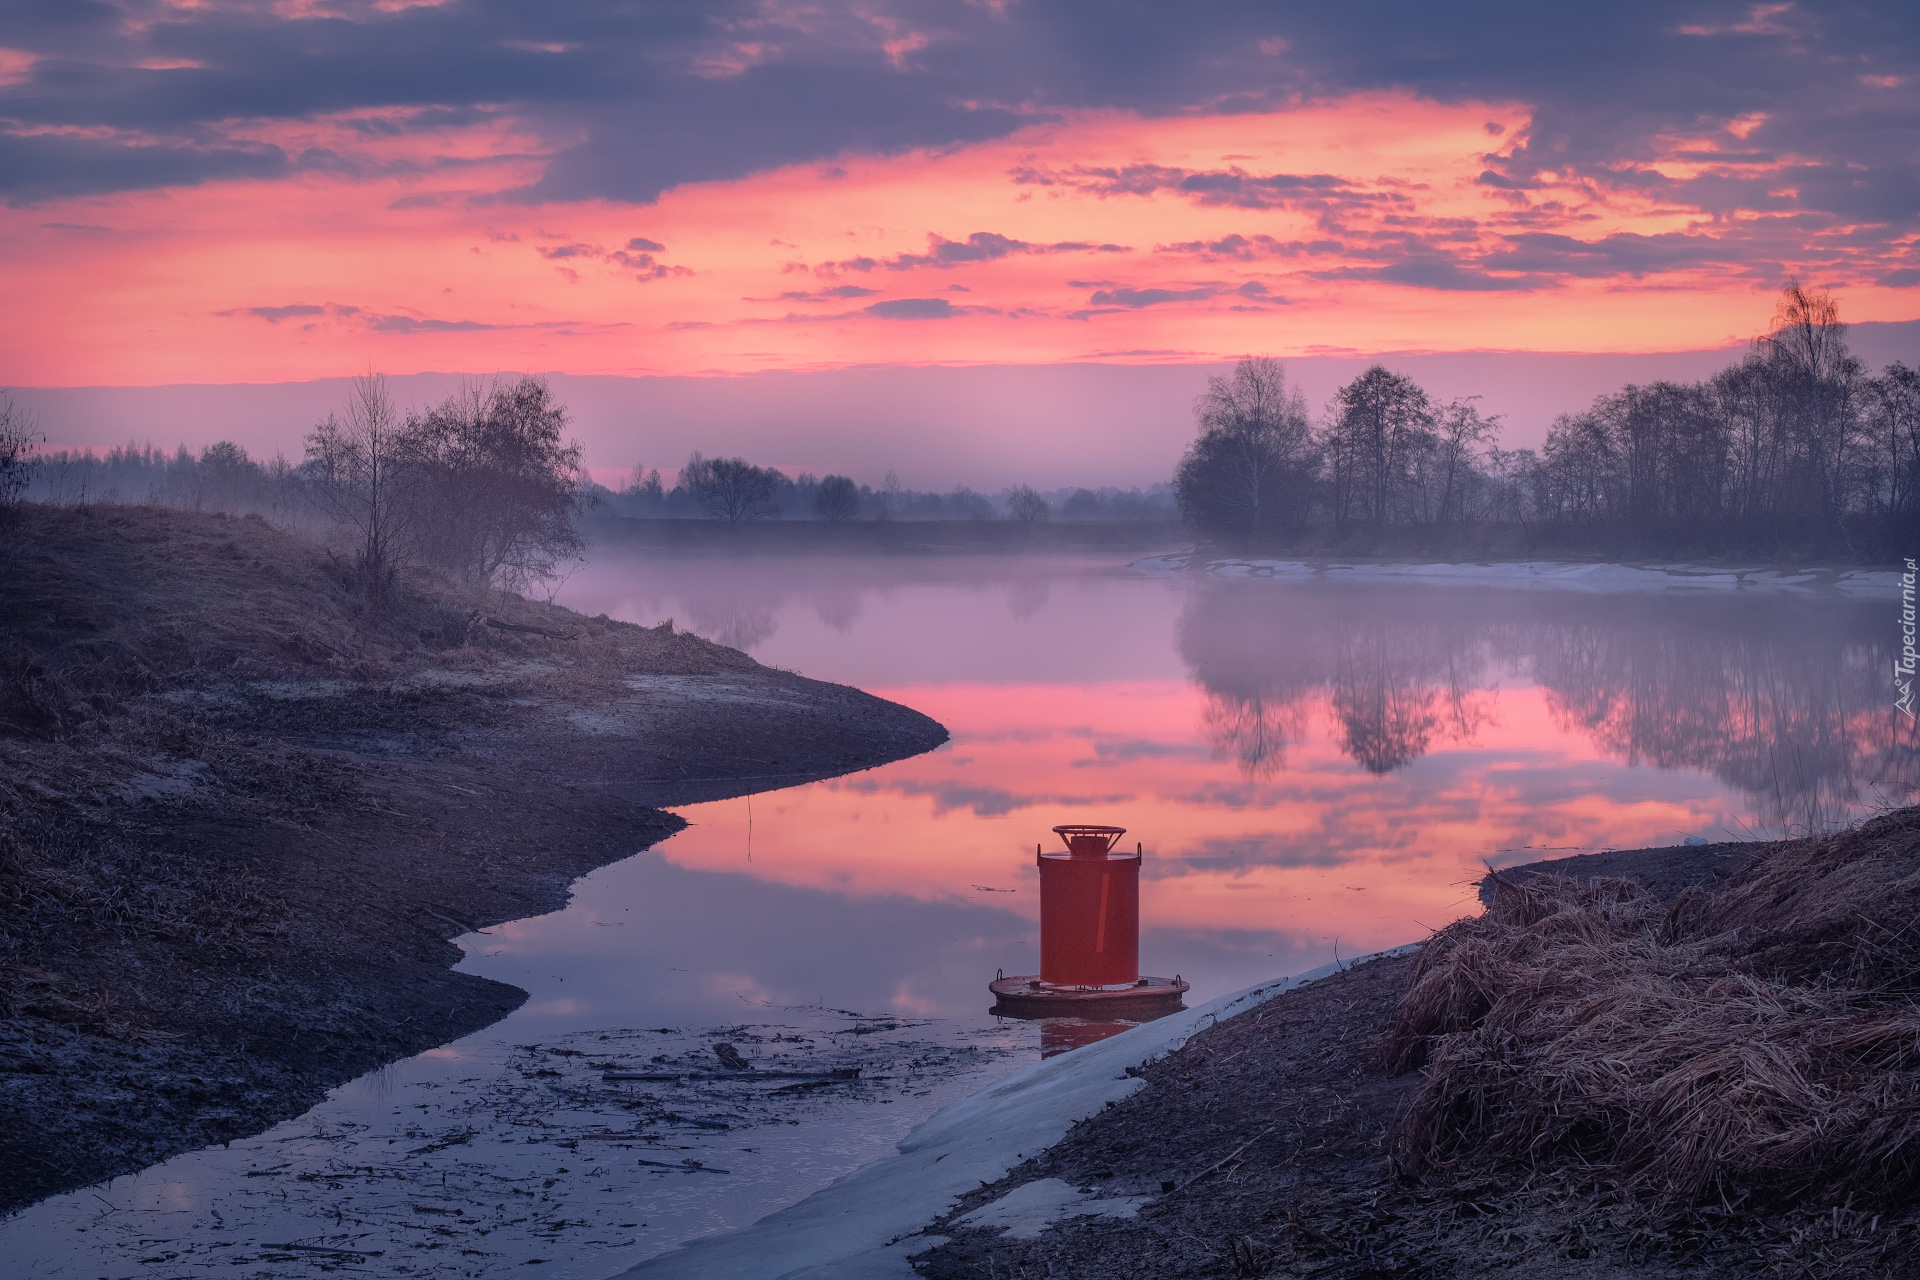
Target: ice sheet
point(867, 1224)
point(1865, 583)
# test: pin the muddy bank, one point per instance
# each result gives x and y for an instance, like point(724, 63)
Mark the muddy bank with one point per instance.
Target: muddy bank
point(1278, 1142)
point(241, 812)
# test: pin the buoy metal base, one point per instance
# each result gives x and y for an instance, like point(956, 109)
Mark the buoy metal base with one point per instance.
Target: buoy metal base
point(1025, 996)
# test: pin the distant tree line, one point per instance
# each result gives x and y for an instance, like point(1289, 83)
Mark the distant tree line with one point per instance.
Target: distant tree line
point(483, 485)
point(221, 477)
point(735, 490)
point(443, 449)
point(1795, 449)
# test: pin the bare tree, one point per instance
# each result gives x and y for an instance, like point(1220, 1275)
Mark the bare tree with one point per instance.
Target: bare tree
point(499, 483)
point(837, 498)
point(18, 436)
point(645, 484)
point(890, 497)
point(1817, 377)
point(1892, 423)
point(1382, 420)
point(731, 488)
point(1461, 432)
point(363, 463)
point(1250, 470)
point(1582, 469)
point(1026, 504)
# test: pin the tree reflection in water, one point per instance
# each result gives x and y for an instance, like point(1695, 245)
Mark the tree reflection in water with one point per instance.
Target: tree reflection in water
point(1784, 698)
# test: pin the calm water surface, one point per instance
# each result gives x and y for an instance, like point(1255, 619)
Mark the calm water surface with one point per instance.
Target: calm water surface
point(1312, 770)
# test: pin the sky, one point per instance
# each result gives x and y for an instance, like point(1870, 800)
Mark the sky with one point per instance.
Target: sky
point(205, 194)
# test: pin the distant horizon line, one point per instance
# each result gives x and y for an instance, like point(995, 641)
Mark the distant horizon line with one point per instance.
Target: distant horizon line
point(1103, 361)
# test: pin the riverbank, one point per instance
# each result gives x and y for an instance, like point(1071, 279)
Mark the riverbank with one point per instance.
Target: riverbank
point(241, 814)
point(1690, 1061)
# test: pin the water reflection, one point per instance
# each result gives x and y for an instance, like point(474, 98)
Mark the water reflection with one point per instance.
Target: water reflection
point(1784, 699)
point(1789, 705)
point(1308, 762)
point(1063, 1035)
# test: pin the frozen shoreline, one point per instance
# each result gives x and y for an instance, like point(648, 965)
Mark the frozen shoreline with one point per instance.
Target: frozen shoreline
point(1864, 584)
point(867, 1224)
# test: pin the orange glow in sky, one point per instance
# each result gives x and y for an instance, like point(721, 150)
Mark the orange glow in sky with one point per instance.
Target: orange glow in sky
point(1339, 226)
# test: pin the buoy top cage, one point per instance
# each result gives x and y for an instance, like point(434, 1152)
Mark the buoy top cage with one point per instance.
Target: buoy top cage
point(1088, 841)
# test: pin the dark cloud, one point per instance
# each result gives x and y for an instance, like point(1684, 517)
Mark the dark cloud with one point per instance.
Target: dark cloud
point(379, 322)
point(837, 293)
point(42, 166)
point(1433, 271)
point(1623, 253)
point(643, 266)
point(981, 246)
point(1152, 297)
point(1239, 248)
point(1231, 188)
point(274, 315)
point(636, 99)
point(413, 324)
point(914, 309)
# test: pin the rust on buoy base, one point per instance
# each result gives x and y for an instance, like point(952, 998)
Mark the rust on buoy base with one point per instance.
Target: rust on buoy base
point(1026, 996)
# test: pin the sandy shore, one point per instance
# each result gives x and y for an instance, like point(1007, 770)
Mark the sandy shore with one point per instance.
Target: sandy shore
point(231, 880)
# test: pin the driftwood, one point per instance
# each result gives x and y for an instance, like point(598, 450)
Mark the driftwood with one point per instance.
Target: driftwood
point(318, 1248)
point(477, 617)
point(684, 1168)
point(840, 1073)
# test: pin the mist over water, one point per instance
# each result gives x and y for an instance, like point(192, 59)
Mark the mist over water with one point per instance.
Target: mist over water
point(1783, 700)
point(1308, 766)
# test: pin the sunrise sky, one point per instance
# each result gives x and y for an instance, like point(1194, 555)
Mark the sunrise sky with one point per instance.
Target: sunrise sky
point(219, 193)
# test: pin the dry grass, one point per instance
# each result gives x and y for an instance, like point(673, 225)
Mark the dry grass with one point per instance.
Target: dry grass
point(100, 605)
point(64, 890)
point(1757, 1046)
point(114, 622)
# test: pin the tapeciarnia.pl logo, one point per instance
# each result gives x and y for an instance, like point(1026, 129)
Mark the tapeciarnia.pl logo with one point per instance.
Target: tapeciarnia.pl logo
point(1903, 666)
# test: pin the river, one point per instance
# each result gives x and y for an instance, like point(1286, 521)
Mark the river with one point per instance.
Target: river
point(1312, 770)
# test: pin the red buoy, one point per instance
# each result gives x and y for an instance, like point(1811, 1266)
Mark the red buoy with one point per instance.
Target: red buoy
point(1089, 910)
point(1089, 937)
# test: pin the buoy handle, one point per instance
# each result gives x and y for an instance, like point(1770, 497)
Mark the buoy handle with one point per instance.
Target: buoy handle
point(1089, 840)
